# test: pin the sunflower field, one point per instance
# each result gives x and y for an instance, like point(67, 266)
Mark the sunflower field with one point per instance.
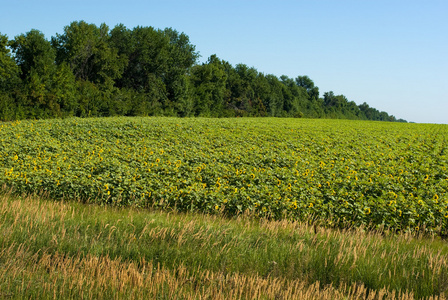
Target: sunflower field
point(338, 173)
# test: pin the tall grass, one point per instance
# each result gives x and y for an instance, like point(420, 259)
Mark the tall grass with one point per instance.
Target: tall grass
point(69, 250)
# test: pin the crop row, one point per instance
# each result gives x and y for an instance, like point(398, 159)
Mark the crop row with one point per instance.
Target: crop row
point(341, 172)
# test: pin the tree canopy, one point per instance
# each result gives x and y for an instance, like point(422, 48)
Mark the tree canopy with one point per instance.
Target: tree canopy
point(91, 70)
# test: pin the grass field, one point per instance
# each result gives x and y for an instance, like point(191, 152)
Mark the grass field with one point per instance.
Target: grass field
point(245, 208)
point(68, 250)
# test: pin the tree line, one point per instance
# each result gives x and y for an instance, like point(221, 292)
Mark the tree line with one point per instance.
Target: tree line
point(91, 70)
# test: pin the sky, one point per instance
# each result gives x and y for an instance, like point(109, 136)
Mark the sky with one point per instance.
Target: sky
point(391, 54)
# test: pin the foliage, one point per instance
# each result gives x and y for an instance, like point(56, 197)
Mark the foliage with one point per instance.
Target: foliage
point(9, 71)
point(209, 85)
point(148, 71)
point(9, 81)
point(339, 173)
point(48, 88)
point(88, 52)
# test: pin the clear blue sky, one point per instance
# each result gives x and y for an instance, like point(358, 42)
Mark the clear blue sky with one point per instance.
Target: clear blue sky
point(391, 54)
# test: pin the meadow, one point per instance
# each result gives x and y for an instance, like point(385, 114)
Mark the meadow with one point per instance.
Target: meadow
point(388, 176)
point(69, 250)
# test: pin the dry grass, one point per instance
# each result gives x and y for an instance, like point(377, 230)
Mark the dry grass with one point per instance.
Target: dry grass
point(67, 250)
point(43, 275)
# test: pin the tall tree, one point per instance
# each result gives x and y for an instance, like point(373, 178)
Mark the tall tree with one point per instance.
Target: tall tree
point(9, 71)
point(308, 85)
point(209, 87)
point(241, 81)
point(146, 53)
point(275, 98)
point(295, 97)
point(86, 49)
point(158, 64)
point(9, 81)
point(181, 57)
point(49, 88)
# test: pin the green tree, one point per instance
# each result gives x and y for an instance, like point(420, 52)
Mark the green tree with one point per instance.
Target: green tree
point(209, 87)
point(146, 52)
point(275, 98)
point(32, 52)
point(9, 71)
point(295, 97)
point(181, 58)
point(9, 81)
point(240, 83)
point(49, 89)
point(87, 50)
point(308, 85)
point(262, 90)
point(89, 70)
point(158, 65)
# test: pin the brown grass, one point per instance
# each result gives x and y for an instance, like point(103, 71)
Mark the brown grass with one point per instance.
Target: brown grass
point(50, 273)
point(55, 276)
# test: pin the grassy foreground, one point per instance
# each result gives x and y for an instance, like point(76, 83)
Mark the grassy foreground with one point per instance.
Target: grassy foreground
point(67, 250)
